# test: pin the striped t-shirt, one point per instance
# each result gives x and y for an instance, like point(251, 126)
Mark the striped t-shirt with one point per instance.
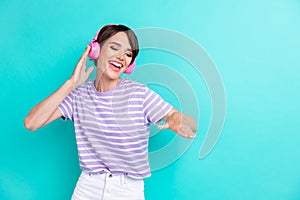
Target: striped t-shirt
point(112, 128)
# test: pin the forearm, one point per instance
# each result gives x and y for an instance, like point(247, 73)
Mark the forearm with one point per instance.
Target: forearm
point(39, 115)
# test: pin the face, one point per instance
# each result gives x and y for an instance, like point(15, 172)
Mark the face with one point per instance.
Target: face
point(115, 56)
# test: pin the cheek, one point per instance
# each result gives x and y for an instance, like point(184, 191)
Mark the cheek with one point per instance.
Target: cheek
point(103, 57)
point(106, 53)
point(128, 60)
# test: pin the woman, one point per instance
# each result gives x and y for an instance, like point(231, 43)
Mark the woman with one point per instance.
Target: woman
point(111, 117)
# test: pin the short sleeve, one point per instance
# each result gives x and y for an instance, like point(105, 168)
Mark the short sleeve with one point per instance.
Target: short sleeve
point(66, 107)
point(155, 108)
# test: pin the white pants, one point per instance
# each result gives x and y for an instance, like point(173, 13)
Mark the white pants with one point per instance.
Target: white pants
point(108, 187)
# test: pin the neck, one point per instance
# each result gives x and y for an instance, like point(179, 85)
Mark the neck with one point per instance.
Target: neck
point(104, 84)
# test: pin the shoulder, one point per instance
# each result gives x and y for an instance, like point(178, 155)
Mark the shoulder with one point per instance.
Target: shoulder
point(133, 85)
point(84, 88)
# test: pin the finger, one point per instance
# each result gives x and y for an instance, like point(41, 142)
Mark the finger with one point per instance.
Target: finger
point(85, 53)
point(91, 68)
point(187, 134)
point(163, 126)
point(192, 136)
point(89, 71)
point(87, 50)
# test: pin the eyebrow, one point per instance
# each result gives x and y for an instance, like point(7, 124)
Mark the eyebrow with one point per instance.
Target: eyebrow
point(118, 44)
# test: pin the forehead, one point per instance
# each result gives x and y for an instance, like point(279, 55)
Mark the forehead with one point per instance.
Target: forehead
point(120, 38)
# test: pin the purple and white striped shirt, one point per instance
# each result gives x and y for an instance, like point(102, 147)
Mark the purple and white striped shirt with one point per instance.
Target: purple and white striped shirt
point(112, 128)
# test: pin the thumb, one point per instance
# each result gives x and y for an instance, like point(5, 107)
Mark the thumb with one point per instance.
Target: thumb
point(89, 71)
point(163, 126)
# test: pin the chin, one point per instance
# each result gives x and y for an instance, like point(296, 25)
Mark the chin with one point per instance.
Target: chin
point(112, 75)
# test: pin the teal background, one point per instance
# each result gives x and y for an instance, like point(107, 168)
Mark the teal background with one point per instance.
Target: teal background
point(255, 46)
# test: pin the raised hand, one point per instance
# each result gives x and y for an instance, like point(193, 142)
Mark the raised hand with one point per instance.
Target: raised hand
point(80, 75)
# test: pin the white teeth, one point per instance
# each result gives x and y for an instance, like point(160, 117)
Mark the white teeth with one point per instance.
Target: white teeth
point(116, 64)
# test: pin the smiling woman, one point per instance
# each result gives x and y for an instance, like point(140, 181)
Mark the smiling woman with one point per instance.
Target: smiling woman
point(108, 31)
point(112, 118)
point(115, 56)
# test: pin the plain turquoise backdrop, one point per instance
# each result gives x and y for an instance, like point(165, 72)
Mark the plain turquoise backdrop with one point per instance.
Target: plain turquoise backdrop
point(255, 46)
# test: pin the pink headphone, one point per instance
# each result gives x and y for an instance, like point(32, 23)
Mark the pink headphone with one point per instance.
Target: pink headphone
point(95, 51)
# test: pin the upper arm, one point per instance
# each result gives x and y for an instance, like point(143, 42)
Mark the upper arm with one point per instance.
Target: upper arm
point(154, 107)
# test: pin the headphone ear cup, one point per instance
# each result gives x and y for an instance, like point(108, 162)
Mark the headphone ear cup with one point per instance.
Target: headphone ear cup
point(95, 50)
point(130, 68)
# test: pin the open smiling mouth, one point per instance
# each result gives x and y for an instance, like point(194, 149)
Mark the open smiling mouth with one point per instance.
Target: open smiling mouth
point(115, 66)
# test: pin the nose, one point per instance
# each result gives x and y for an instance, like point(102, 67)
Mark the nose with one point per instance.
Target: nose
point(120, 56)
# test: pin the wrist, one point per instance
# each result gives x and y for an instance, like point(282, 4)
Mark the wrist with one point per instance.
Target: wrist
point(70, 84)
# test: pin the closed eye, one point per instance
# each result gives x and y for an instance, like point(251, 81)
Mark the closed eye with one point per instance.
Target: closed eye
point(129, 55)
point(113, 48)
